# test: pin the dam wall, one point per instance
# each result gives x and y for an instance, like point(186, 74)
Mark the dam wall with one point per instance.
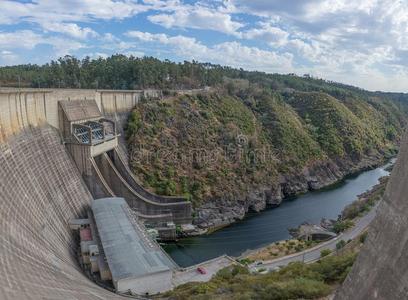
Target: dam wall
point(40, 190)
point(381, 269)
point(22, 108)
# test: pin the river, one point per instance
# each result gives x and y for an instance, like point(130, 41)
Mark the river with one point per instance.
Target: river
point(270, 225)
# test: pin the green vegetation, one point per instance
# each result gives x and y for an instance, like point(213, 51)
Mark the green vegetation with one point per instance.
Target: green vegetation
point(363, 237)
point(325, 252)
point(365, 202)
point(216, 144)
point(296, 281)
point(280, 249)
point(246, 261)
point(342, 225)
point(195, 147)
point(340, 244)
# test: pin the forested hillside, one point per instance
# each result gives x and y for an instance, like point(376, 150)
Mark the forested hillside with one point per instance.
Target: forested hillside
point(221, 145)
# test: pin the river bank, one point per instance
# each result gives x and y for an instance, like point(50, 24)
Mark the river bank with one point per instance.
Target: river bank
point(216, 214)
point(260, 229)
point(352, 212)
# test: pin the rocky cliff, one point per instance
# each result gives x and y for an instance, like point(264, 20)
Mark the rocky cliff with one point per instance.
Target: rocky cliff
point(223, 211)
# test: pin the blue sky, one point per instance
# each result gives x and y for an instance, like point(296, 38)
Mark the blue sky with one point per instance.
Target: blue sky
point(360, 42)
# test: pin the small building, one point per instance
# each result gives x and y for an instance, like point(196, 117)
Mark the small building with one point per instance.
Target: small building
point(136, 263)
point(313, 232)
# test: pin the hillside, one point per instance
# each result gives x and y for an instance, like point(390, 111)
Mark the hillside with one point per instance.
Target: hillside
point(230, 151)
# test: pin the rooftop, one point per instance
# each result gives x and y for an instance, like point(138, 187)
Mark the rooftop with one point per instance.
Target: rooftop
point(79, 110)
point(128, 250)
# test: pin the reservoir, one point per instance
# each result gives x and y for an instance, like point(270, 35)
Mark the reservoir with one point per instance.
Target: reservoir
point(270, 225)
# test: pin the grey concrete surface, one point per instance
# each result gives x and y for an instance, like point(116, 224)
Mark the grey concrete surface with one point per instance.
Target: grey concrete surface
point(40, 190)
point(212, 266)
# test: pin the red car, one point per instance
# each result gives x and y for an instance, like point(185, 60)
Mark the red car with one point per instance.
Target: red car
point(201, 270)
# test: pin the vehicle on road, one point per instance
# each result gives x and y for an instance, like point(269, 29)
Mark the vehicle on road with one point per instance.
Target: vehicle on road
point(201, 270)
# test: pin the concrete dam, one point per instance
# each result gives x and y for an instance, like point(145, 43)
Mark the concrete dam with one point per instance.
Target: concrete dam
point(380, 271)
point(55, 159)
point(53, 167)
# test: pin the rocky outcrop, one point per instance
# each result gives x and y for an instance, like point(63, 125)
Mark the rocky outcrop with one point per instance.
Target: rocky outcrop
point(215, 213)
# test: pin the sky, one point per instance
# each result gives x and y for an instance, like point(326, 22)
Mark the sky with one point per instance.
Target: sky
point(359, 42)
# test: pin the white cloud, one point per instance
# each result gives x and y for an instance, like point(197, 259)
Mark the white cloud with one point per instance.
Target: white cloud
point(197, 17)
point(27, 39)
point(269, 33)
point(71, 29)
point(41, 11)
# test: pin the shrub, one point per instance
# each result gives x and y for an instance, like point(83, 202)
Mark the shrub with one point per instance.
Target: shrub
point(341, 226)
point(340, 244)
point(299, 248)
point(246, 261)
point(363, 237)
point(134, 124)
point(325, 252)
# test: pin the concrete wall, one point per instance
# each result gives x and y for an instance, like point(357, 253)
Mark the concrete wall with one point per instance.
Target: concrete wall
point(381, 269)
point(21, 108)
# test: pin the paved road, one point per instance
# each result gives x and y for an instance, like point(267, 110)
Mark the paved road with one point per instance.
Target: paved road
point(211, 267)
point(313, 254)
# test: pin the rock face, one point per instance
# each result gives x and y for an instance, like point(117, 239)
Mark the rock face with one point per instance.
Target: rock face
point(381, 269)
point(220, 212)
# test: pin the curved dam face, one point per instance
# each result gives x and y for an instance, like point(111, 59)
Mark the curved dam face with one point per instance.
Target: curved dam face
point(40, 190)
point(381, 269)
